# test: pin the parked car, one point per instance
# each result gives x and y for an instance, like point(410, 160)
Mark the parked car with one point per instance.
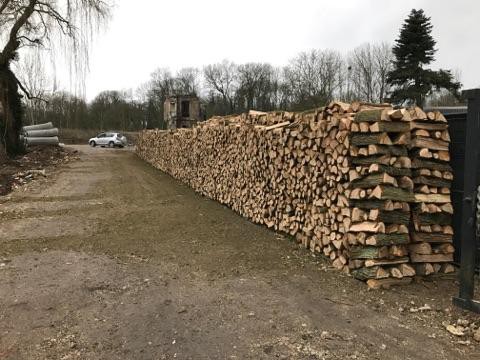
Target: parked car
point(110, 139)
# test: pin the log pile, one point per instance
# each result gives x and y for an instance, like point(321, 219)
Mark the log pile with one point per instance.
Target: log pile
point(431, 249)
point(381, 192)
point(340, 179)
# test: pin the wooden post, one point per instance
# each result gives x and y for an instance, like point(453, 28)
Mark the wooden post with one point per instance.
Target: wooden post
point(468, 247)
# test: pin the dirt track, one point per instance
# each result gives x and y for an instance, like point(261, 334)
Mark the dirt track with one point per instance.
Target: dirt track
point(112, 259)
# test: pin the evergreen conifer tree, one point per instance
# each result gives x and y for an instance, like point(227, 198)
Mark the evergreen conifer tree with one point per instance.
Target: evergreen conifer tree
point(414, 49)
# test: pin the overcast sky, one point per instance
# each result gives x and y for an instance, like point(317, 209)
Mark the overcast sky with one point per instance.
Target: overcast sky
point(146, 34)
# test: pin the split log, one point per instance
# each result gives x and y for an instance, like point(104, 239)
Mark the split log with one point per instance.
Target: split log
point(433, 144)
point(387, 239)
point(430, 164)
point(432, 198)
point(434, 258)
point(431, 237)
point(373, 180)
point(372, 115)
point(368, 139)
point(382, 192)
point(424, 269)
point(369, 252)
point(364, 273)
point(389, 126)
point(427, 126)
point(367, 226)
point(407, 270)
point(387, 283)
point(379, 262)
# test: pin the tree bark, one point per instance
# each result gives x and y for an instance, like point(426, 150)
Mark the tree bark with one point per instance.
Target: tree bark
point(11, 116)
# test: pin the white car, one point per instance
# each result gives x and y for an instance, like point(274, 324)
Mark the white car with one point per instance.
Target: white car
point(110, 139)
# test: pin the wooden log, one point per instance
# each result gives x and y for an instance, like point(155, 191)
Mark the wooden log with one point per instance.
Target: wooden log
point(390, 170)
point(439, 117)
point(398, 251)
point(367, 139)
point(434, 258)
point(417, 113)
point(420, 248)
point(448, 208)
point(443, 249)
point(391, 217)
point(364, 273)
point(368, 226)
point(371, 115)
point(427, 126)
point(396, 229)
point(389, 126)
point(421, 132)
point(433, 144)
point(395, 150)
point(424, 269)
point(447, 269)
point(383, 192)
point(387, 239)
point(437, 267)
point(279, 125)
point(368, 160)
point(369, 252)
point(401, 139)
point(380, 262)
point(376, 284)
point(432, 198)
point(378, 204)
point(430, 164)
point(430, 219)
point(372, 181)
point(406, 270)
point(399, 114)
point(432, 181)
point(396, 273)
point(358, 105)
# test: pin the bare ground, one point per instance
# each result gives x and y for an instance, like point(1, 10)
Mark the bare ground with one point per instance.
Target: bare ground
point(109, 258)
point(17, 171)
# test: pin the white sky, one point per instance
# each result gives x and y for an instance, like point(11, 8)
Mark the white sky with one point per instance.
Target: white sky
point(143, 35)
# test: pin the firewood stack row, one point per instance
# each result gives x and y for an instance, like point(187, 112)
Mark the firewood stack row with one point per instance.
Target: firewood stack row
point(338, 178)
point(326, 216)
point(381, 192)
point(431, 250)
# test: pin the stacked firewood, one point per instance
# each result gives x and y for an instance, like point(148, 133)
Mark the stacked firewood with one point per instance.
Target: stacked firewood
point(381, 190)
point(338, 178)
point(326, 216)
point(431, 250)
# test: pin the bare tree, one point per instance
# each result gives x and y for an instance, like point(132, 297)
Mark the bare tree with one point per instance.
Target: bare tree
point(161, 85)
point(36, 23)
point(31, 73)
point(314, 77)
point(384, 63)
point(162, 82)
point(222, 79)
point(369, 65)
point(280, 91)
point(187, 81)
point(255, 86)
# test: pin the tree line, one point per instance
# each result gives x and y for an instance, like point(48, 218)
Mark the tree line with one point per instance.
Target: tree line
point(371, 73)
point(309, 80)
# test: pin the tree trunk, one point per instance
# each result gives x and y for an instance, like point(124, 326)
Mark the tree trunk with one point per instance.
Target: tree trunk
point(11, 114)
